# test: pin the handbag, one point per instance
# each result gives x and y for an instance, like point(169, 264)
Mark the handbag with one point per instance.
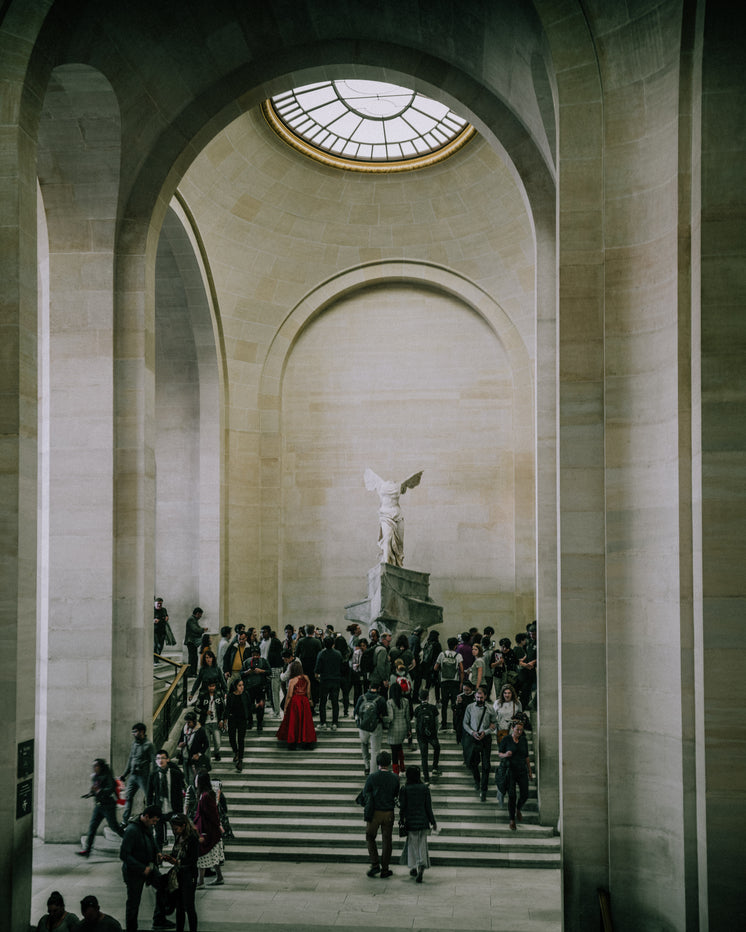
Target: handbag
point(402, 830)
point(172, 880)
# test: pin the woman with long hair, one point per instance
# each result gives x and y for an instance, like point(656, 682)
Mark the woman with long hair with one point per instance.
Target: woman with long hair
point(237, 716)
point(416, 815)
point(507, 706)
point(182, 878)
point(400, 726)
point(297, 725)
point(476, 670)
point(207, 822)
point(209, 672)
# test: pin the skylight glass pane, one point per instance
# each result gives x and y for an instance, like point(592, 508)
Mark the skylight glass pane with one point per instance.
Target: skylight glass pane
point(397, 130)
point(420, 121)
point(315, 98)
point(332, 111)
point(381, 121)
point(370, 131)
point(345, 125)
point(432, 107)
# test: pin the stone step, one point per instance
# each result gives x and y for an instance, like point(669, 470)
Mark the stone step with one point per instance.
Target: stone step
point(357, 854)
point(457, 833)
point(451, 815)
point(291, 805)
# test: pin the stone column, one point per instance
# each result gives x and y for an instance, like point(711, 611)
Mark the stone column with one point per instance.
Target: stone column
point(581, 645)
point(18, 452)
point(723, 463)
point(78, 172)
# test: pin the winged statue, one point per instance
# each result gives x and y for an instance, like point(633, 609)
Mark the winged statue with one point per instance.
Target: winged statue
point(391, 528)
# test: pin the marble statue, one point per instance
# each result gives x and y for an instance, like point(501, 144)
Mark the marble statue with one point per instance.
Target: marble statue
point(391, 530)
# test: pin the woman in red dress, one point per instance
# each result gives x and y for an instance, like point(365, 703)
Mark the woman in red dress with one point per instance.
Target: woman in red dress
point(297, 725)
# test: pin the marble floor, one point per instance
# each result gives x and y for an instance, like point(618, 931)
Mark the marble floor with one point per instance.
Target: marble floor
point(297, 896)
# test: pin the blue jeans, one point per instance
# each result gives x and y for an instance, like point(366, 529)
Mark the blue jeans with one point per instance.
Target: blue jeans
point(134, 783)
point(100, 812)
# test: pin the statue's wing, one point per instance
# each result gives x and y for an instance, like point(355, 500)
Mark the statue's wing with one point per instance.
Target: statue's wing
point(412, 482)
point(373, 482)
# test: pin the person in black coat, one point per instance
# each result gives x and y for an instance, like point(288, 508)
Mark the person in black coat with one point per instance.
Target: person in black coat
point(237, 716)
point(194, 746)
point(183, 857)
point(416, 815)
point(139, 856)
point(166, 790)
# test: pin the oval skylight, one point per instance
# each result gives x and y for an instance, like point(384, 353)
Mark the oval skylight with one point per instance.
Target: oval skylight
point(369, 122)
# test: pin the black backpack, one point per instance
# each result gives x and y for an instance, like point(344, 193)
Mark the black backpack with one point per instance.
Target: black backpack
point(367, 661)
point(427, 720)
point(367, 715)
point(429, 654)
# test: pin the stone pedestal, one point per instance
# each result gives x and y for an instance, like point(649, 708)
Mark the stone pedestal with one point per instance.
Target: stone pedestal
point(398, 601)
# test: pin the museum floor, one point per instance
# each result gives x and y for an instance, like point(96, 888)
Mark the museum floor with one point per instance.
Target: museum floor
point(296, 896)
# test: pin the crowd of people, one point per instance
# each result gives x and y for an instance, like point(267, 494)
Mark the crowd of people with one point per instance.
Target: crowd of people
point(394, 691)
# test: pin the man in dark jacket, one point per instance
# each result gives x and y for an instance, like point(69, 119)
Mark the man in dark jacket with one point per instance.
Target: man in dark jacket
point(379, 795)
point(256, 675)
point(307, 649)
point(193, 636)
point(328, 672)
point(160, 623)
point(139, 766)
point(271, 649)
point(139, 856)
point(233, 662)
point(415, 645)
point(381, 672)
point(165, 790)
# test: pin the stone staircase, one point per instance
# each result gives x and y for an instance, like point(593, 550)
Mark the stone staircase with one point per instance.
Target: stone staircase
point(295, 805)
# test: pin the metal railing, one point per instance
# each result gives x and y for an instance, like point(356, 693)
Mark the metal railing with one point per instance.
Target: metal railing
point(170, 707)
point(604, 901)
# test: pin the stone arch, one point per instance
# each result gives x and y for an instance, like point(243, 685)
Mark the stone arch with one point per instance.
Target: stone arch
point(190, 399)
point(329, 293)
point(150, 188)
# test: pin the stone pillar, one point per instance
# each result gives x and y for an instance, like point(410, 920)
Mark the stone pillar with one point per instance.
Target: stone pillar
point(78, 173)
point(134, 481)
point(723, 464)
point(18, 452)
point(581, 645)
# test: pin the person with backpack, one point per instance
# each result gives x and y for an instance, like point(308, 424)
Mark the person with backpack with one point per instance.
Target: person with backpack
point(381, 671)
point(428, 656)
point(104, 791)
point(400, 726)
point(358, 673)
point(426, 726)
point(450, 668)
point(370, 713)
